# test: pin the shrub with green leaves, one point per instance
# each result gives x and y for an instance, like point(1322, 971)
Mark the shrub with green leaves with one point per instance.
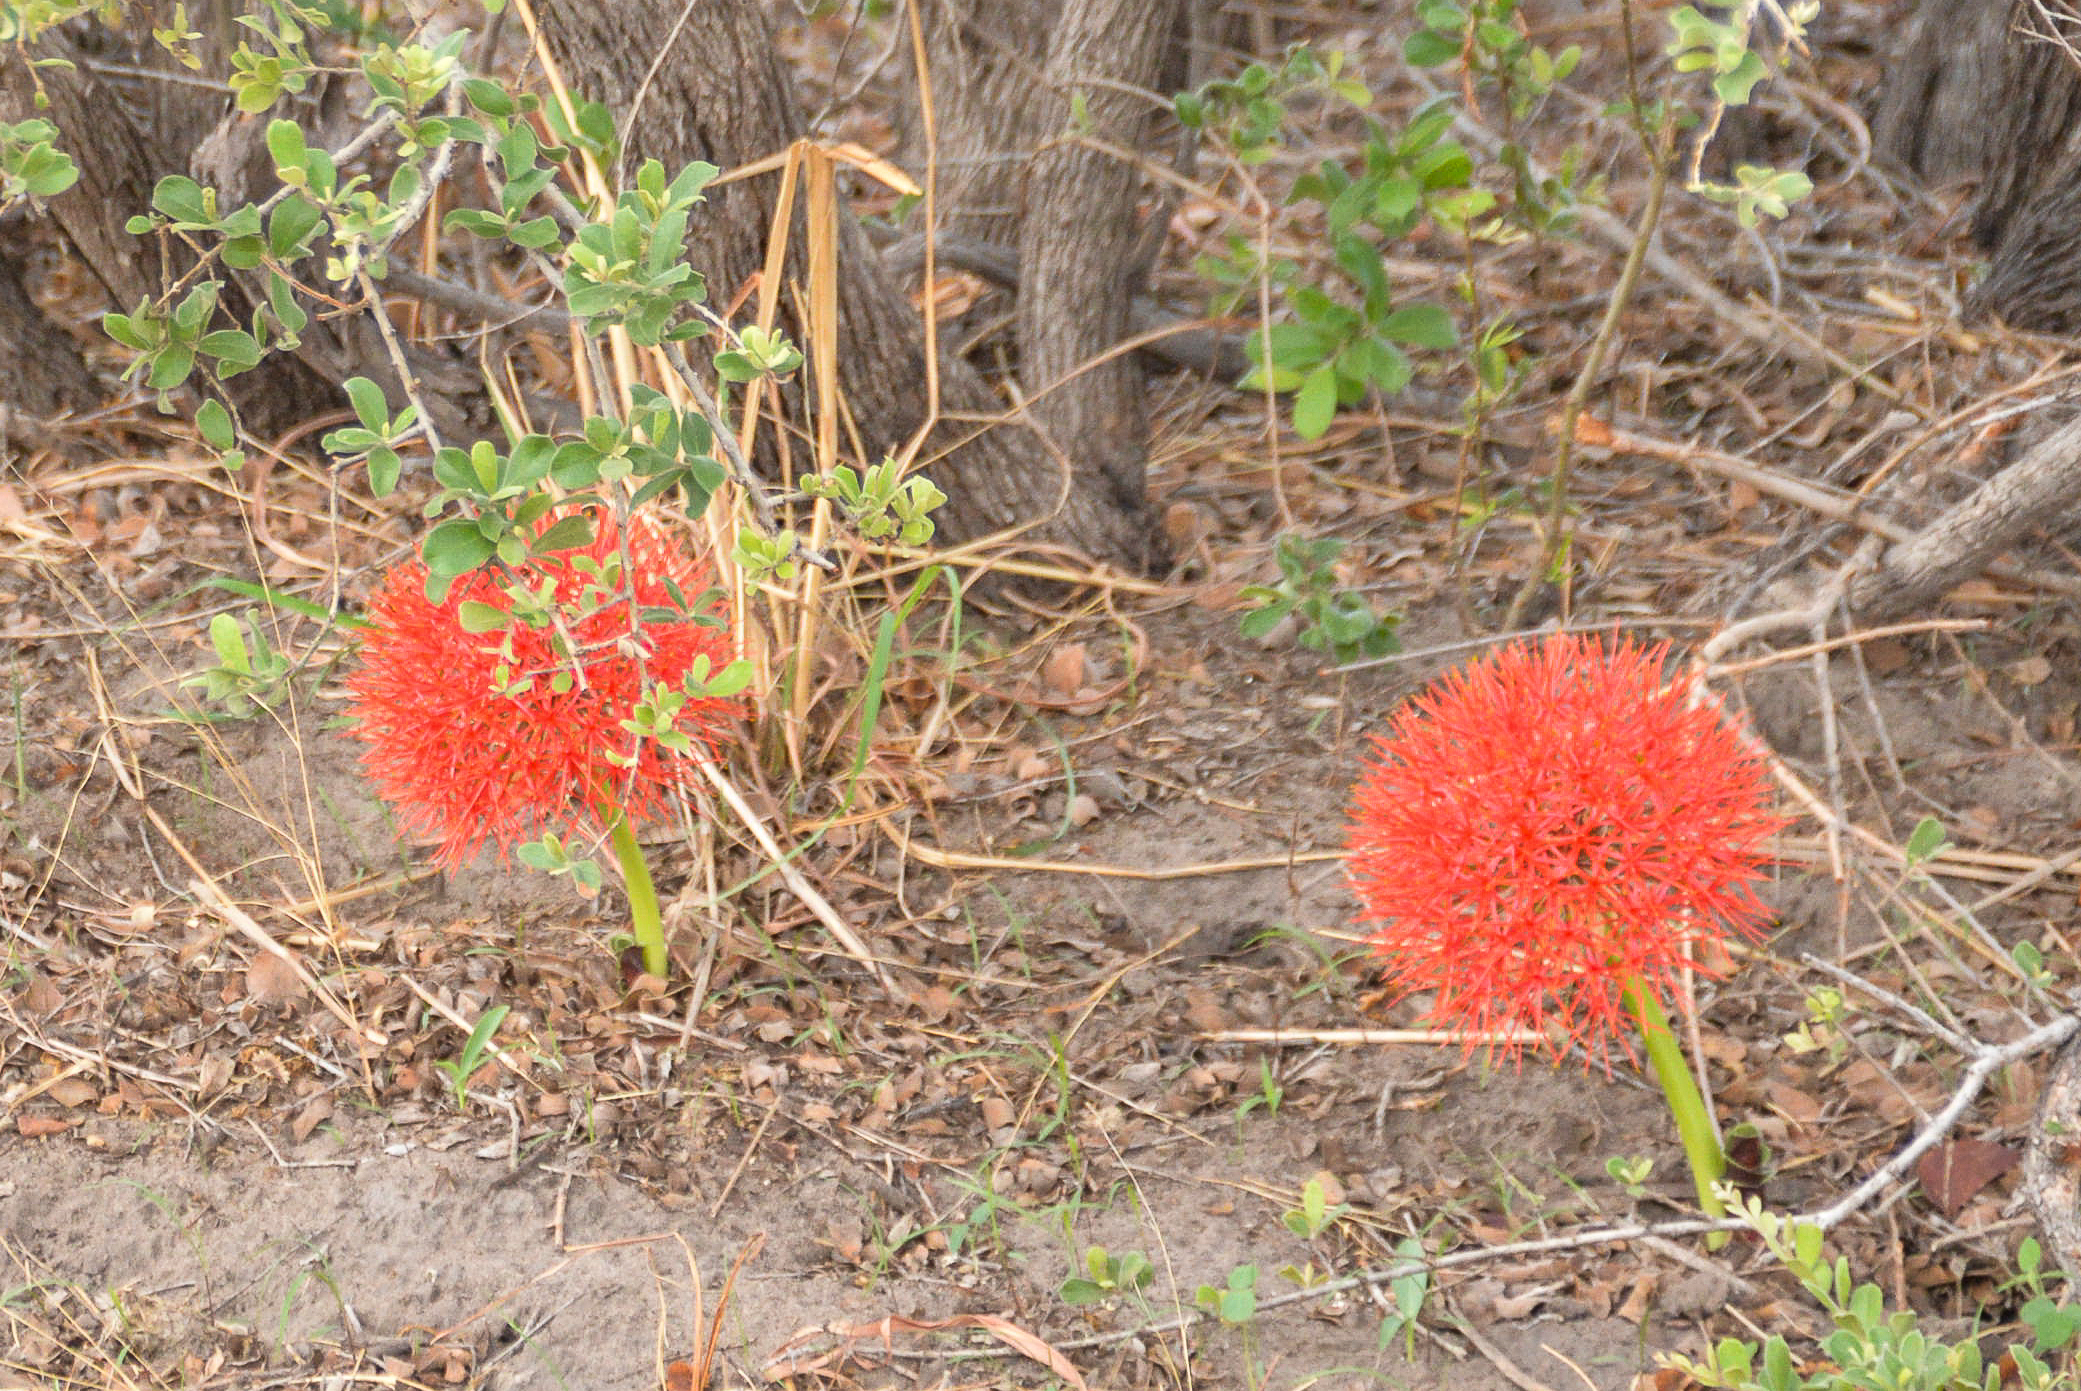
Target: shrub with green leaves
point(1346, 626)
point(1870, 1347)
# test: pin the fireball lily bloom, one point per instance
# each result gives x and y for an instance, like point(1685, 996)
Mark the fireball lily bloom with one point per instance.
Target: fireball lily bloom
point(483, 723)
point(1549, 838)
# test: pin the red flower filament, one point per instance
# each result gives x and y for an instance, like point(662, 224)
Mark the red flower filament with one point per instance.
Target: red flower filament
point(498, 736)
point(1550, 825)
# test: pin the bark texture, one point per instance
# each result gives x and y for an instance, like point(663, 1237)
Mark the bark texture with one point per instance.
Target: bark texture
point(1946, 77)
point(2039, 487)
point(715, 90)
point(1079, 251)
point(126, 131)
point(50, 378)
point(2029, 215)
point(989, 74)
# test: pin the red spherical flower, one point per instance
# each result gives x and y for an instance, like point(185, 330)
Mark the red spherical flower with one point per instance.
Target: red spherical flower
point(1551, 825)
point(502, 735)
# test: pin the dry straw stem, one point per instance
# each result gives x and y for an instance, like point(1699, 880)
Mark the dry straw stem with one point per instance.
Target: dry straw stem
point(212, 896)
point(958, 859)
point(793, 877)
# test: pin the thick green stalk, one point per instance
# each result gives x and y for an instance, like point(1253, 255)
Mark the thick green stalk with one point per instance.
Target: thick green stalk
point(644, 918)
point(1693, 1123)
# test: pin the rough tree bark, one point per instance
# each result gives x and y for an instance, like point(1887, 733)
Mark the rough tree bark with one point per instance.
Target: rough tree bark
point(124, 139)
point(52, 377)
point(717, 92)
point(1944, 80)
point(129, 115)
point(1078, 246)
point(1915, 573)
point(2029, 219)
point(1992, 88)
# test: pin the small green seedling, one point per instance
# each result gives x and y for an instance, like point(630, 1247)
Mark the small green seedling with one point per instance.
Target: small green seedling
point(1630, 1172)
point(1269, 1093)
point(250, 674)
point(1925, 842)
point(1332, 620)
point(474, 1052)
point(1408, 1293)
point(1236, 1304)
point(1822, 1031)
point(2030, 960)
point(2053, 1325)
point(1109, 1275)
point(1316, 1213)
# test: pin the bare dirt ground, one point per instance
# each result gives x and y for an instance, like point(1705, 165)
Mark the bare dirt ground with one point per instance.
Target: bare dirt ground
point(1096, 859)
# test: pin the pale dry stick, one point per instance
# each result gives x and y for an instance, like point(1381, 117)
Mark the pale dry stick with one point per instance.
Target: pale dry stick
point(797, 884)
point(2031, 878)
point(1986, 1062)
point(83, 1057)
point(1831, 760)
point(730, 1184)
point(281, 1163)
point(28, 1092)
point(1512, 1373)
point(1817, 610)
point(956, 859)
point(1721, 670)
point(1911, 1010)
point(1836, 504)
point(1418, 654)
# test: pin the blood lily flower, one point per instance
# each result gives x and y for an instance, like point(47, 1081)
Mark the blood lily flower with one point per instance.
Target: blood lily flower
point(565, 696)
point(1547, 839)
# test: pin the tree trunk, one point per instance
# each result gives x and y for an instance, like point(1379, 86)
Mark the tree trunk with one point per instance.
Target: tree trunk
point(988, 67)
point(124, 141)
point(1944, 80)
point(126, 132)
point(2018, 83)
point(52, 377)
point(717, 92)
point(1082, 255)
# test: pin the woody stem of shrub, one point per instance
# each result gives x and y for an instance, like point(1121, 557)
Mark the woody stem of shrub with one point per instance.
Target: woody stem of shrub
point(1693, 1122)
point(644, 918)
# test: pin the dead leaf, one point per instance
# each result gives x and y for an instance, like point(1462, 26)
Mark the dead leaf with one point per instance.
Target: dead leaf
point(72, 1091)
point(270, 980)
point(2031, 671)
point(1063, 674)
point(1956, 1170)
point(42, 997)
point(38, 1127)
point(314, 1114)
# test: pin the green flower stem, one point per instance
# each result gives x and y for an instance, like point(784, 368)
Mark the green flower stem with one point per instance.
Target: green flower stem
point(644, 918)
point(1693, 1123)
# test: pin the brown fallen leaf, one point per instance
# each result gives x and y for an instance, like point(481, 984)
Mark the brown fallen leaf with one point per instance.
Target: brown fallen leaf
point(270, 980)
point(38, 1127)
point(73, 1091)
point(314, 1114)
point(1956, 1170)
point(1065, 670)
